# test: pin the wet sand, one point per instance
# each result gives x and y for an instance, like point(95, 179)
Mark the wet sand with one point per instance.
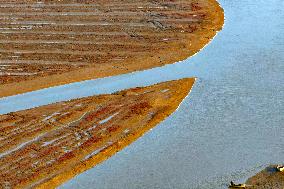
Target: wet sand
point(269, 178)
point(45, 146)
point(55, 43)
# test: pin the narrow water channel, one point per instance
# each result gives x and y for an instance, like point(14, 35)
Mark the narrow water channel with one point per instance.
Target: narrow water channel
point(228, 128)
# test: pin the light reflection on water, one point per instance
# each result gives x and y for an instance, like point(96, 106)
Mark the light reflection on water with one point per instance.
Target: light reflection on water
point(229, 127)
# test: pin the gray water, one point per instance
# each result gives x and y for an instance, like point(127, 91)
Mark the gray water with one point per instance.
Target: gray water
point(228, 128)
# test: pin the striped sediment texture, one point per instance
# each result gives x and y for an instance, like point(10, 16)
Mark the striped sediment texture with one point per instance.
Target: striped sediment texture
point(45, 146)
point(51, 42)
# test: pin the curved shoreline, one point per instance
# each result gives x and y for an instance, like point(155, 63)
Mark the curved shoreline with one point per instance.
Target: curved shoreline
point(108, 152)
point(50, 144)
point(269, 178)
point(175, 52)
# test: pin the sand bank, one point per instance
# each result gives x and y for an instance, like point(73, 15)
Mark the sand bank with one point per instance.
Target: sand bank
point(269, 178)
point(55, 43)
point(45, 146)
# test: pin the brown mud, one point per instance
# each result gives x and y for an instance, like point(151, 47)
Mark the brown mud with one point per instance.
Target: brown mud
point(269, 178)
point(45, 146)
point(59, 42)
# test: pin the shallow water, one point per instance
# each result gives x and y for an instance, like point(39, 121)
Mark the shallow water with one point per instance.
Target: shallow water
point(229, 127)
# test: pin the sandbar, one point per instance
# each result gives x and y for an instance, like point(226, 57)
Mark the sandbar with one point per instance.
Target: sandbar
point(45, 146)
point(269, 178)
point(60, 42)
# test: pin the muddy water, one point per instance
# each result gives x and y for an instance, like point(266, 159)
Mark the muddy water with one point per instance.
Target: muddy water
point(229, 128)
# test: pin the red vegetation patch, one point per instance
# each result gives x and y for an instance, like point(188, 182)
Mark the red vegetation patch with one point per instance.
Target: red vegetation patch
point(91, 141)
point(195, 7)
point(139, 107)
point(91, 116)
point(66, 156)
point(48, 151)
point(113, 128)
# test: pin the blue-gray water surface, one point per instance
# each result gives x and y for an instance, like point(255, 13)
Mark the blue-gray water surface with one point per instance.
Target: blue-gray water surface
point(228, 128)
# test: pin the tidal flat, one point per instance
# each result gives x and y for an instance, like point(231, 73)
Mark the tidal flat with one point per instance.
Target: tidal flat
point(269, 178)
point(45, 146)
point(60, 42)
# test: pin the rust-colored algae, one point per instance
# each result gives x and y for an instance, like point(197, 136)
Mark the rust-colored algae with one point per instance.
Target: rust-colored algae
point(45, 146)
point(59, 42)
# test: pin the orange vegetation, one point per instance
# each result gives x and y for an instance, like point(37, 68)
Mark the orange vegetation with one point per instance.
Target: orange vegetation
point(45, 146)
point(59, 42)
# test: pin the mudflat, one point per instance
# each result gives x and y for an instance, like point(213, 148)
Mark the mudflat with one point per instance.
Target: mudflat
point(51, 43)
point(269, 178)
point(45, 146)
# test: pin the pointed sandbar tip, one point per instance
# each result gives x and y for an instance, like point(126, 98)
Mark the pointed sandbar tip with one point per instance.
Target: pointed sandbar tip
point(53, 143)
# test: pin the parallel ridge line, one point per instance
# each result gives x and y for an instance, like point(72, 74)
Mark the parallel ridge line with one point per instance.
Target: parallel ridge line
point(70, 52)
point(78, 23)
point(73, 42)
point(112, 13)
point(120, 3)
point(93, 32)
point(8, 62)
point(138, 22)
